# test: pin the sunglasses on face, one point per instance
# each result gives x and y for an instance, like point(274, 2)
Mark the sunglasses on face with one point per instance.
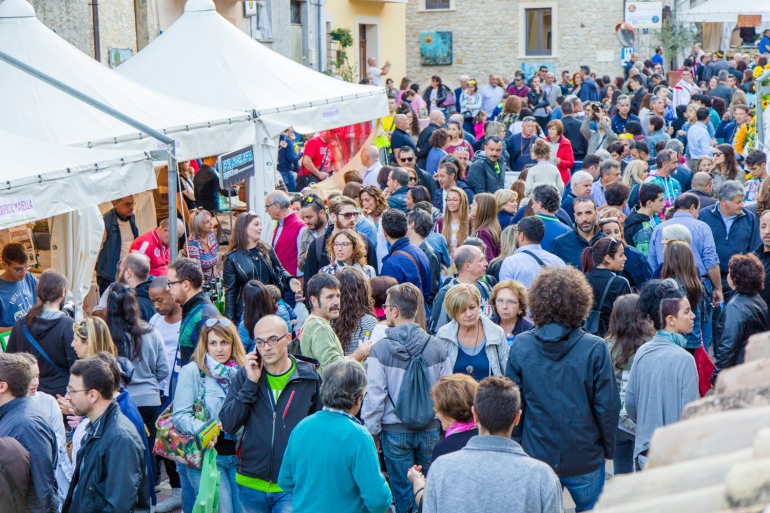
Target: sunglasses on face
point(718, 153)
point(406, 159)
point(349, 215)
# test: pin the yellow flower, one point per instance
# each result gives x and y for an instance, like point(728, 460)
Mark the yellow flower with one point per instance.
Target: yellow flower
point(758, 71)
point(749, 176)
point(767, 66)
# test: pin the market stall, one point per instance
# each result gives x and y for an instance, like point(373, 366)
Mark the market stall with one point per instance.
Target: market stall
point(242, 74)
point(720, 20)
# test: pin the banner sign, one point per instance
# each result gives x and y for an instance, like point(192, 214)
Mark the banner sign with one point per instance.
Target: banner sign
point(16, 211)
point(644, 14)
point(236, 166)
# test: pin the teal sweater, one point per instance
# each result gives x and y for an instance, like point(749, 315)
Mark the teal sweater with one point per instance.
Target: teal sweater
point(331, 465)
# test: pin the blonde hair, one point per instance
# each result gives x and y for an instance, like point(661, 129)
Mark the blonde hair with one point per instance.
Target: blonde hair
point(359, 248)
point(541, 150)
point(227, 332)
point(464, 218)
point(96, 334)
point(633, 172)
point(518, 289)
point(503, 196)
point(459, 297)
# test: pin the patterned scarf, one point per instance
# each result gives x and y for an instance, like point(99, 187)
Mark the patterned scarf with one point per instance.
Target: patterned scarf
point(674, 338)
point(460, 427)
point(222, 372)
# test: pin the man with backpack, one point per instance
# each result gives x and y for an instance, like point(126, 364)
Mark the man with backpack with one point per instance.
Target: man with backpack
point(398, 409)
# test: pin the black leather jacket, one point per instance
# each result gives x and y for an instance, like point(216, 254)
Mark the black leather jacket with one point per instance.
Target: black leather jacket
point(743, 316)
point(240, 267)
point(111, 474)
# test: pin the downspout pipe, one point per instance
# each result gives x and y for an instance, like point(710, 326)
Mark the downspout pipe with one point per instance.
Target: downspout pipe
point(93, 102)
point(97, 38)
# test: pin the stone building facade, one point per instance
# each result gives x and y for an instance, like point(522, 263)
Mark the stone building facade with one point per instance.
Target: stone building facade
point(490, 36)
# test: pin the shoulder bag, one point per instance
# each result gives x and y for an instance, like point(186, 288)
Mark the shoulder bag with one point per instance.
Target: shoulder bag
point(593, 323)
point(39, 349)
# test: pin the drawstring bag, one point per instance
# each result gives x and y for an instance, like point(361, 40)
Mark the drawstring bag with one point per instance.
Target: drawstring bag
point(208, 488)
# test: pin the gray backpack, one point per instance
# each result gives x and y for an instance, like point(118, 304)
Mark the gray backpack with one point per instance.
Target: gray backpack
point(414, 406)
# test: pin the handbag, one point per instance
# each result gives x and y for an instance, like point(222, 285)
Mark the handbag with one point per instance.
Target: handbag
point(705, 368)
point(175, 445)
point(593, 323)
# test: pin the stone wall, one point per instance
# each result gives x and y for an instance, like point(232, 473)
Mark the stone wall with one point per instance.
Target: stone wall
point(73, 22)
point(485, 37)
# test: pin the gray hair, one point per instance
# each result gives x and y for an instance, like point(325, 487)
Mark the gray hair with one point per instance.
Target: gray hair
point(582, 176)
point(343, 384)
point(675, 145)
point(677, 232)
point(602, 154)
point(465, 254)
point(722, 75)
point(196, 223)
point(607, 166)
point(279, 198)
point(731, 189)
point(655, 100)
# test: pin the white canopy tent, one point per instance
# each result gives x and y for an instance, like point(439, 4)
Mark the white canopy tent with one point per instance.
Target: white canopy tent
point(242, 74)
point(41, 180)
point(726, 11)
point(35, 109)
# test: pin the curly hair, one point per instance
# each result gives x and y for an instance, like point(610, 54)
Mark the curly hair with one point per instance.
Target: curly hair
point(357, 298)
point(359, 247)
point(747, 274)
point(518, 289)
point(560, 296)
point(381, 203)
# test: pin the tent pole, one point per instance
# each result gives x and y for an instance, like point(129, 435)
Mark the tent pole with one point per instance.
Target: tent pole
point(93, 102)
point(173, 177)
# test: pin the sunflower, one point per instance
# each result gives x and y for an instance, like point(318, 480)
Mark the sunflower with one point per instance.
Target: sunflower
point(758, 71)
point(740, 138)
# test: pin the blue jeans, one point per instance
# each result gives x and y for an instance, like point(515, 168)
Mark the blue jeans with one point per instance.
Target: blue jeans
point(401, 452)
point(229, 500)
point(702, 331)
point(585, 489)
point(289, 180)
point(254, 501)
point(623, 463)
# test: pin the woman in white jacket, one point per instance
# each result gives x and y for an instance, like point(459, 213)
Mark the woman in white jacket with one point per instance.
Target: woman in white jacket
point(476, 345)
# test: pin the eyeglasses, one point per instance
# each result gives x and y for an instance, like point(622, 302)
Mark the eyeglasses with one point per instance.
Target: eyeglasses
point(506, 302)
point(71, 390)
point(169, 283)
point(20, 269)
point(272, 341)
point(406, 159)
point(224, 321)
point(270, 205)
point(349, 215)
point(718, 153)
point(341, 245)
point(412, 179)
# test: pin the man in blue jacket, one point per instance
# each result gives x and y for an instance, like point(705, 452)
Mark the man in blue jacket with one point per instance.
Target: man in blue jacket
point(406, 262)
point(735, 229)
point(398, 186)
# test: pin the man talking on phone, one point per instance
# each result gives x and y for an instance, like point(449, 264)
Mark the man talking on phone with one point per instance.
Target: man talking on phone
point(269, 396)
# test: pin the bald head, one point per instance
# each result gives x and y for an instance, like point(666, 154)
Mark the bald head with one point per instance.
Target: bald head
point(437, 117)
point(401, 121)
point(269, 326)
point(701, 181)
point(369, 155)
point(458, 118)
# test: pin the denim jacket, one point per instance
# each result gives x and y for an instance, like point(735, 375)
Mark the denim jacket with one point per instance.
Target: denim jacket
point(107, 261)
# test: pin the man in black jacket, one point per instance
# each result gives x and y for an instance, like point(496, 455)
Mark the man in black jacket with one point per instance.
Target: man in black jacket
point(570, 398)
point(572, 132)
point(269, 396)
point(23, 421)
point(207, 189)
point(111, 474)
point(437, 120)
point(488, 174)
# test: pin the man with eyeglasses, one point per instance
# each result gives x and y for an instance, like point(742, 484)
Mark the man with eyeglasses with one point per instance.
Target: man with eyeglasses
point(185, 284)
point(22, 420)
point(272, 393)
point(623, 115)
point(17, 285)
point(287, 229)
point(111, 472)
point(406, 159)
point(119, 232)
point(519, 87)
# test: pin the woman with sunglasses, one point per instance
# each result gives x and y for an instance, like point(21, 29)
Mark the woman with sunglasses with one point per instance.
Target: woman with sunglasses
point(202, 244)
point(251, 258)
point(200, 393)
point(470, 104)
point(143, 345)
point(347, 249)
point(725, 168)
point(602, 263)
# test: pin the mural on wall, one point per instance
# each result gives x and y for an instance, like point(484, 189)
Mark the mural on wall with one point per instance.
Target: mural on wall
point(530, 68)
point(436, 48)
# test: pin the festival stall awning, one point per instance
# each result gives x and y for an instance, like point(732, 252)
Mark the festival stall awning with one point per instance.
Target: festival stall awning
point(240, 73)
point(726, 11)
point(39, 180)
point(34, 109)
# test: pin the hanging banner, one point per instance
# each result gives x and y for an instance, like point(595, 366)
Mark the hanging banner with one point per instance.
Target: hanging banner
point(644, 14)
point(236, 166)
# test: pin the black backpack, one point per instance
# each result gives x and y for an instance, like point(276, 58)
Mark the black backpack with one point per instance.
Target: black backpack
point(414, 406)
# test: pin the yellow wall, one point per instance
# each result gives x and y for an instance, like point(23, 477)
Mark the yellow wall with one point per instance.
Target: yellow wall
point(391, 19)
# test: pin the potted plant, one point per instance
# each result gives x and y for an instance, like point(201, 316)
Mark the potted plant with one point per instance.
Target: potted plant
point(343, 36)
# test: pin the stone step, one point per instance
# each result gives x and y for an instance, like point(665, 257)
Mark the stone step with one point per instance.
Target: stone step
point(756, 397)
point(758, 347)
point(702, 500)
point(748, 375)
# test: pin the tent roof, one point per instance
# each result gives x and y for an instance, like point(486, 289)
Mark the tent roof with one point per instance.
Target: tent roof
point(243, 74)
point(37, 110)
point(725, 10)
point(40, 180)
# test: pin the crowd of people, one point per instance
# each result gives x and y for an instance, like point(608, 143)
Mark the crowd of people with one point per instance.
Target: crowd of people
point(529, 281)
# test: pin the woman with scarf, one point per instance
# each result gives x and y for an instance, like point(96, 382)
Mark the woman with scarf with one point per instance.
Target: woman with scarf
point(663, 377)
point(200, 394)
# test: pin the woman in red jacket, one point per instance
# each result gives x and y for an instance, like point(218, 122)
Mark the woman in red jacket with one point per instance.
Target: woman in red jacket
point(565, 158)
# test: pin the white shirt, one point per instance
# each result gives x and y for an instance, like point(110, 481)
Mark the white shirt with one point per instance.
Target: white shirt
point(371, 173)
point(126, 237)
point(376, 74)
point(170, 334)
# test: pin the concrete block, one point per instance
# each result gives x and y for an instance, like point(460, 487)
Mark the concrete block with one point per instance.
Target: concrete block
point(741, 377)
point(742, 399)
point(748, 483)
point(762, 444)
point(703, 500)
point(702, 437)
point(758, 347)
